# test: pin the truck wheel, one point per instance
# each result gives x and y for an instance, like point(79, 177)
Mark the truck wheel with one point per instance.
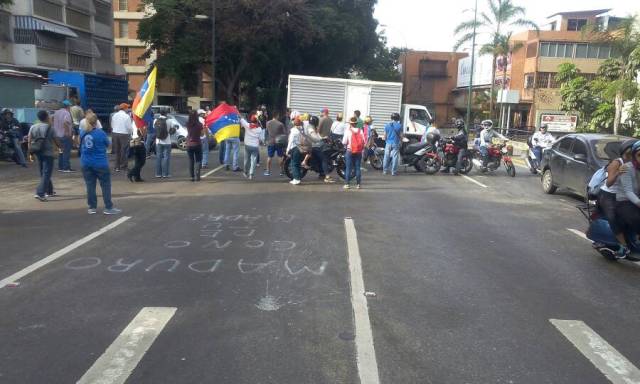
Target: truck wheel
point(547, 182)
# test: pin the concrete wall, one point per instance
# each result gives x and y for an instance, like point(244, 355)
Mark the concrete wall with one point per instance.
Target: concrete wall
point(550, 64)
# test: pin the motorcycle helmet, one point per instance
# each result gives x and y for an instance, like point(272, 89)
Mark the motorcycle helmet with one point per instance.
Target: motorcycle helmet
point(313, 120)
point(395, 116)
point(487, 124)
point(432, 138)
point(7, 110)
point(545, 127)
point(459, 124)
point(627, 145)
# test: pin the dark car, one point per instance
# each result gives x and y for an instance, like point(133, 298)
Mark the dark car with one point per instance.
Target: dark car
point(574, 158)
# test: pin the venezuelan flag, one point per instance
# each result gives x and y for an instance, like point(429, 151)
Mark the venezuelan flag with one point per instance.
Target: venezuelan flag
point(224, 122)
point(142, 114)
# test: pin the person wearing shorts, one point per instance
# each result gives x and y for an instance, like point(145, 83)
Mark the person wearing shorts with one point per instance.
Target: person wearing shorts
point(275, 129)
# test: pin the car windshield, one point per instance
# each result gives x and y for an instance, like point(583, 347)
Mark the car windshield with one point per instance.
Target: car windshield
point(182, 120)
point(607, 148)
point(419, 116)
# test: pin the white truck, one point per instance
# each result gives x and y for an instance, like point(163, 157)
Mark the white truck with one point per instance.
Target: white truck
point(379, 100)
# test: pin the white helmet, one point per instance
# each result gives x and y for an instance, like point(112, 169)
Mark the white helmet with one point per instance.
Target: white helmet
point(201, 112)
point(488, 124)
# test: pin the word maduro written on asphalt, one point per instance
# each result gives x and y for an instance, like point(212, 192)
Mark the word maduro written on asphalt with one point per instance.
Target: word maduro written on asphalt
point(218, 233)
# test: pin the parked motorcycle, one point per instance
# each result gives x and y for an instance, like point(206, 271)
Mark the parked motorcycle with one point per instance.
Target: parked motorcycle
point(498, 154)
point(411, 154)
point(7, 151)
point(334, 150)
point(602, 237)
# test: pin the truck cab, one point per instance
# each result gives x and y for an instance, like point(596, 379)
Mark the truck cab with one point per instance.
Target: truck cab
point(415, 119)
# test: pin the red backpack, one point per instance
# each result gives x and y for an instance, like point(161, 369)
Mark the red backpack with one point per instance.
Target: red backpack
point(357, 141)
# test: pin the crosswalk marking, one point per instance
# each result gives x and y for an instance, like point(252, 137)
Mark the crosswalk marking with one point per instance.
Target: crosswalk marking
point(578, 233)
point(123, 355)
point(211, 172)
point(607, 359)
point(474, 181)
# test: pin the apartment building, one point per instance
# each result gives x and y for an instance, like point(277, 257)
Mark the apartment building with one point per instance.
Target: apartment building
point(127, 15)
point(73, 35)
point(428, 78)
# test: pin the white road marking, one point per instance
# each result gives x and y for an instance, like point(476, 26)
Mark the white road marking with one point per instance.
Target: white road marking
point(474, 181)
point(365, 351)
point(578, 233)
point(211, 172)
point(54, 256)
point(607, 359)
point(123, 355)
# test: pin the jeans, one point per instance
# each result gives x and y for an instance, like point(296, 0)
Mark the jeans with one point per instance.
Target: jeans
point(149, 143)
point(163, 160)
point(46, 168)
point(205, 151)
point(391, 154)
point(64, 159)
point(250, 159)
point(140, 158)
point(484, 151)
point(537, 151)
point(318, 154)
point(221, 151)
point(296, 161)
point(232, 149)
point(607, 204)
point(195, 161)
point(354, 160)
point(18, 147)
point(91, 174)
point(461, 154)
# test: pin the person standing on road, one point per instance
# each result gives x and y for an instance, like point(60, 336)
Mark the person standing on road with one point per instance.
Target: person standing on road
point(324, 130)
point(95, 166)
point(338, 127)
point(232, 150)
point(293, 150)
point(63, 128)
point(325, 124)
point(275, 143)
point(139, 153)
point(194, 145)
point(77, 114)
point(43, 134)
point(392, 135)
point(357, 114)
point(150, 141)
point(355, 142)
point(204, 139)
point(252, 135)
point(122, 130)
point(163, 146)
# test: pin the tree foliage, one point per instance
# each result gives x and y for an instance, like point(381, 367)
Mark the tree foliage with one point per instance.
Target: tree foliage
point(260, 42)
point(4, 3)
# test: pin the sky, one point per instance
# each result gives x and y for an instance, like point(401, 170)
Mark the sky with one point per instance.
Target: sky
point(428, 24)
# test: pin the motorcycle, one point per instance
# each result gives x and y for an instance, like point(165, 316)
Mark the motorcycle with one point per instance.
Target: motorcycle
point(533, 163)
point(498, 154)
point(7, 151)
point(602, 238)
point(333, 150)
point(411, 154)
point(376, 154)
point(448, 155)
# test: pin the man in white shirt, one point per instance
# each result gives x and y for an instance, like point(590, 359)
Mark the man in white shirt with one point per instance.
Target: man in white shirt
point(121, 131)
point(540, 141)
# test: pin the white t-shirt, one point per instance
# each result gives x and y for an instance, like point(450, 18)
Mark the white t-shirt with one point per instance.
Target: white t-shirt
point(251, 136)
point(338, 127)
point(83, 123)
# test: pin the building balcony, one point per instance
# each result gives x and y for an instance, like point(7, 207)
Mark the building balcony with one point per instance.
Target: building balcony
point(527, 95)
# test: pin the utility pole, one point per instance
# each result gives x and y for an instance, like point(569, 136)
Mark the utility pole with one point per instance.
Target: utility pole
point(213, 53)
point(473, 59)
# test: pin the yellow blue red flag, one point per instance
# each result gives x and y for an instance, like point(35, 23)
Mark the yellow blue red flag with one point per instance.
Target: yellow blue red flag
point(142, 114)
point(224, 122)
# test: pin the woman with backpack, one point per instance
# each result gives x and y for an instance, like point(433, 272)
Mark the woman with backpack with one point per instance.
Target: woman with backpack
point(354, 142)
point(163, 146)
point(194, 145)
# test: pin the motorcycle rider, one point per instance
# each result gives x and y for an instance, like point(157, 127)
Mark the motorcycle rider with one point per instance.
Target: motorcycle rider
point(460, 140)
point(540, 141)
point(486, 136)
point(11, 127)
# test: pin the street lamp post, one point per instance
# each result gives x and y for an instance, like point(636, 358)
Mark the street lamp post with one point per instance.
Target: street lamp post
point(213, 48)
point(473, 59)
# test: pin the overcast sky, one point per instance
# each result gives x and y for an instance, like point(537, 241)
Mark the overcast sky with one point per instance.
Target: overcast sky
point(428, 24)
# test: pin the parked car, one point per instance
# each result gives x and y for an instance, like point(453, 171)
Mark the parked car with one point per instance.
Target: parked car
point(574, 158)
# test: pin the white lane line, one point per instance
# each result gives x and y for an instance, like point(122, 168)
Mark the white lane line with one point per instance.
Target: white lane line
point(123, 355)
point(365, 351)
point(474, 181)
point(607, 359)
point(580, 234)
point(211, 172)
point(54, 256)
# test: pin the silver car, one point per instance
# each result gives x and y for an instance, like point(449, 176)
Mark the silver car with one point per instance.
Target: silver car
point(179, 138)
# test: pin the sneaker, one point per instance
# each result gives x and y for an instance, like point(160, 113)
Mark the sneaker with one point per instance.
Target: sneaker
point(267, 173)
point(117, 169)
point(245, 175)
point(296, 182)
point(623, 252)
point(250, 177)
point(237, 170)
point(346, 186)
point(358, 186)
point(281, 173)
point(54, 194)
point(92, 211)
point(384, 172)
point(205, 166)
point(112, 211)
point(292, 182)
point(158, 176)
point(227, 168)
point(329, 180)
point(41, 198)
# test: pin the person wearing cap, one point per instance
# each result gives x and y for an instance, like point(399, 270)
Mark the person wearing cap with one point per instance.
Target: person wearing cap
point(122, 129)
point(204, 139)
point(324, 127)
point(353, 159)
point(63, 129)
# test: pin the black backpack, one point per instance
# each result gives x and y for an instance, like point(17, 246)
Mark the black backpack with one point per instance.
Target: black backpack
point(162, 129)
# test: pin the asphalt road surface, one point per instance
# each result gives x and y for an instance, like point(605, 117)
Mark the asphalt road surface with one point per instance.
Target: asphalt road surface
point(469, 280)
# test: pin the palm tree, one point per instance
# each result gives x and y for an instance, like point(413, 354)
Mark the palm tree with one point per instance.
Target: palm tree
point(620, 70)
point(503, 14)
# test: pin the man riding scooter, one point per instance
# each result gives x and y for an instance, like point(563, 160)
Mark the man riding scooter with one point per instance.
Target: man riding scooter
point(540, 141)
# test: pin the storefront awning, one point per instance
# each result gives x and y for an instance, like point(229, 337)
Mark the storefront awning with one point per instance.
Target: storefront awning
point(31, 23)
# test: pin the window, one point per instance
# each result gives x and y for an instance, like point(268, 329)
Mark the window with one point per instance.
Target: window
point(542, 80)
point(552, 81)
point(124, 55)
point(123, 5)
point(553, 26)
point(581, 51)
point(579, 148)
point(553, 49)
point(592, 52)
point(50, 10)
point(78, 19)
point(576, 24)
point(124, 29)
point(5, 26)
point(564, 145)
point(433, 68)
point(544, 49)
point(532, 50)
point(605, 52)
point(528, 80)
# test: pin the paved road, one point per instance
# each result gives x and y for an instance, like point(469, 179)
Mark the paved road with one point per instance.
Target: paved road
point(230, 281)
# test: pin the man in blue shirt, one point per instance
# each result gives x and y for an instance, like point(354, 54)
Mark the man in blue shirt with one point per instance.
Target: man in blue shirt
point(393, 135)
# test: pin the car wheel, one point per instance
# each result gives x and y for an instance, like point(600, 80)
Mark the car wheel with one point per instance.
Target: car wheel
point(182, 143)
point(547, 182)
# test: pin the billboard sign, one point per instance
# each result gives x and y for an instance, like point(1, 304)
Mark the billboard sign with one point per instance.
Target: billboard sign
point(560, 123)
point(481, 72)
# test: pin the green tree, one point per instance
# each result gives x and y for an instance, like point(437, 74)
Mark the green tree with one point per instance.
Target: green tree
point(502, 15)
point(4, 3)
point(577, 93)
point(384, 63)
